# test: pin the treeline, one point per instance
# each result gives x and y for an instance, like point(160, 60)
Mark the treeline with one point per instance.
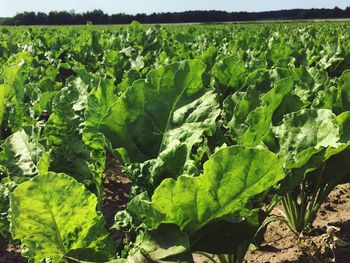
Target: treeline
point(98, 17)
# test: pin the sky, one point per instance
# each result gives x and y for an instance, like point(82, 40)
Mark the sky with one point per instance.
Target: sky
point(11, 7)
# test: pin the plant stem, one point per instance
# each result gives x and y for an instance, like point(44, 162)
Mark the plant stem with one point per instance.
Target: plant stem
point(303, 206)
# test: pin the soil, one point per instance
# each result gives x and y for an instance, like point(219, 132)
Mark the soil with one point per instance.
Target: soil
point(328, 242)
point(10, 253)
point(116, 189)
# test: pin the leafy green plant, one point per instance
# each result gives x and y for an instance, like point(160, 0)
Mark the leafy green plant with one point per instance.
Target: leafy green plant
point(159, 126)
point(214, 209)
point(315, 144)
point(65, 220)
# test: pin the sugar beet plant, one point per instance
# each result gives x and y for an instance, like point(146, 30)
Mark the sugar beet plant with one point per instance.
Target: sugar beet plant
point(212, 124)
point(320, 162)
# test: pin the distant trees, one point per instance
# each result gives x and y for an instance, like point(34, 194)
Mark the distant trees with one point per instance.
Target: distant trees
point(98, 17)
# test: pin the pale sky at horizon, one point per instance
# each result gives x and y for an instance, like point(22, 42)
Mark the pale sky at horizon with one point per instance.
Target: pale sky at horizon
point(11, 7)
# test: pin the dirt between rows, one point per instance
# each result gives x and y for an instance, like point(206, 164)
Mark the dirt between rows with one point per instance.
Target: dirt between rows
point(328, 242)
point(9, 252)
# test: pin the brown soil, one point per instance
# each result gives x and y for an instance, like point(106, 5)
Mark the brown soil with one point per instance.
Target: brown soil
point(10, 253)
point(328, 242)
point(116, 189)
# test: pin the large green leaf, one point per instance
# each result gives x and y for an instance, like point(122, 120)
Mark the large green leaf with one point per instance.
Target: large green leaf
point(260, 120)
point(63, 136)
point(63, 126)
point(11, 75)
point(342, 101)
point(21, 158)
point(321, 158)
point(21, 155)
point(139, 119)
point(99, 101)
point(183, 144)
point(53, 214)
point(249, 117)
point(237, 107)
point(231, 177)
point(12, 89)
point(230, 73)
point(305, 133)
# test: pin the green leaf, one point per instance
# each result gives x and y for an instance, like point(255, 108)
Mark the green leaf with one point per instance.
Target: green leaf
point(343, 121)
point(12, 90)
point(259, 121)
point(53, 214)
point(144, 113)
point(43, 101)
point(231, 177)
point(342, 102)
point(6, 188)
point(164, 244)
point(20, 155)
point(44, 163)
point(99, 101)
point(12, 82)
point(63, 124)
point(329, 162)
point(183, 144)
point(237, 108)
point(230, 73)
point(305, 133)
point(63, 136)
point(20, 160)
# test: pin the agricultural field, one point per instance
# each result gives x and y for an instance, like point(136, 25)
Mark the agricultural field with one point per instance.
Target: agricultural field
point(178, 143)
